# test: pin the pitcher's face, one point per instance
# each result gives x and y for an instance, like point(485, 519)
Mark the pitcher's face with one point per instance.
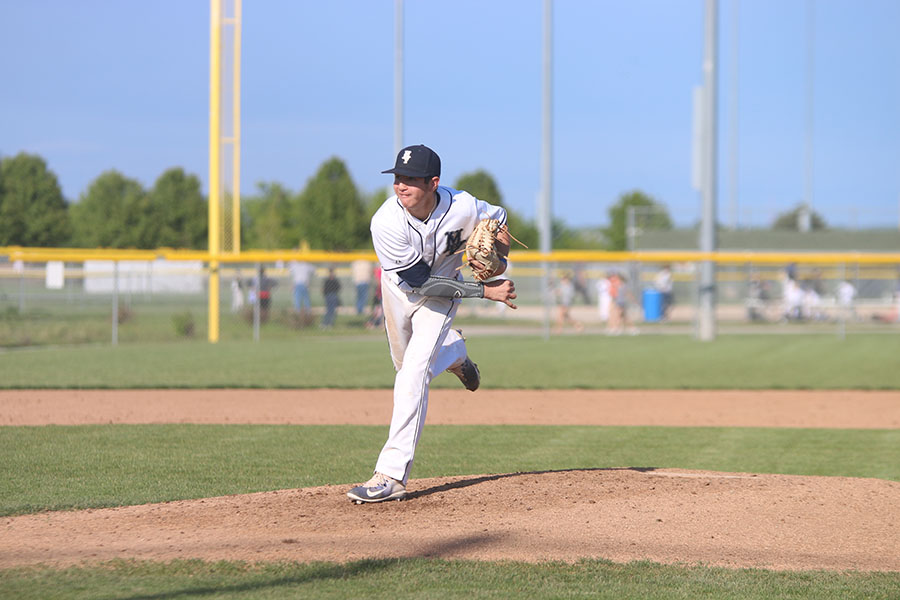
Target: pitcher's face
point(416, 194)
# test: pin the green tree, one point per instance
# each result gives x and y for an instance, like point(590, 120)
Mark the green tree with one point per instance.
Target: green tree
point(376, 199)
point(33, 211)
point(331, 213)
point(270, 219)
point(524, 230)
point(481, 184)
point(373, 202)
point(110, 214)
point(568, 238)
point(648, 214)
point(790, 220)
point(177, 212)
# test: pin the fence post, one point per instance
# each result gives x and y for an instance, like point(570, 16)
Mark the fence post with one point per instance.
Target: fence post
point(257, 292)
point(115, 304)
point(22, 289)
point(842, 311)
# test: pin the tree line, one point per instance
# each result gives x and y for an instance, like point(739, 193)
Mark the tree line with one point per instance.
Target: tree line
point(330, 213)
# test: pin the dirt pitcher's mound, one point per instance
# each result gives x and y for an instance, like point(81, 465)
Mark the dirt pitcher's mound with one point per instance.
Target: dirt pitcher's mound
point(668, 516)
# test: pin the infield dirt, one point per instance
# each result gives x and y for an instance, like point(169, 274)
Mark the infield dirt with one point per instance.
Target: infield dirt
point(661, 515)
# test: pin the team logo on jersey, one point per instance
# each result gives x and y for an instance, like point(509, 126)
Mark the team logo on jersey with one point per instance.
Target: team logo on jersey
point(406, 156)
point(454, 242)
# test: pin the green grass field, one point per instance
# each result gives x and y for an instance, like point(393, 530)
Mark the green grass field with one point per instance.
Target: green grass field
point(420, 578)
point(59, 468)
point(591, 362)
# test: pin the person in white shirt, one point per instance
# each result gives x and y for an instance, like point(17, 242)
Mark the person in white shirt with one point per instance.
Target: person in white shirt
point(663, 284)
point(793, 300)
point(846, 294)
point(604, 299)
point(361, 272)
point(301, 275)
point(237, 293)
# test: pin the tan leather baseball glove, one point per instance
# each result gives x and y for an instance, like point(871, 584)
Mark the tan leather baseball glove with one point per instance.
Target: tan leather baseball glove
point(485, 253)
point(481, 247)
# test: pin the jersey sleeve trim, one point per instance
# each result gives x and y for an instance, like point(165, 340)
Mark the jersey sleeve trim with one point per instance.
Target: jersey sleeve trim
point(391, 239)
point(401, 267)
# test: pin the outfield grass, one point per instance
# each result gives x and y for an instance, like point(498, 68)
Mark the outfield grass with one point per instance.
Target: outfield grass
point(420, 578)
point(135, 464)
point(592, 362)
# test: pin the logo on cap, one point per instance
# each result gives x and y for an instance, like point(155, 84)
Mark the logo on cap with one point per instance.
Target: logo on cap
point(417, 161)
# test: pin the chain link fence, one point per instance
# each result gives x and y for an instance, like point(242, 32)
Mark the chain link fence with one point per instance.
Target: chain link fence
point(98, 300)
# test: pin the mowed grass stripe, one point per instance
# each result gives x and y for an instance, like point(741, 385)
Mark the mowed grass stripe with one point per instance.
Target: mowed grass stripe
point(423, 578)
point(63, 467)
point(592, 362)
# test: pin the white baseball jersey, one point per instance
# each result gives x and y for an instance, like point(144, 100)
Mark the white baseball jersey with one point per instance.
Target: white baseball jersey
point(402, 240)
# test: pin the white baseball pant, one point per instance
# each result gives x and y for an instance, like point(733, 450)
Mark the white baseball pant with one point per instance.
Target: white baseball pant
point(423, 345)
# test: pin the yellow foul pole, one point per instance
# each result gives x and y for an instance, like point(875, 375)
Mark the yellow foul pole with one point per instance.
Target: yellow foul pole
point(215, 166)
point(236, 133)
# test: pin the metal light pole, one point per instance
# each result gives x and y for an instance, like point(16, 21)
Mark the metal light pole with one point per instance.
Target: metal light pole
point(805, 217)
point(733, 130)
point(707, 293)
point(398, 76)
point(545, 229)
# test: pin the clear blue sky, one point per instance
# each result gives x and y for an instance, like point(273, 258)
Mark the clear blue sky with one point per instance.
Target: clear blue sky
point(108, 84)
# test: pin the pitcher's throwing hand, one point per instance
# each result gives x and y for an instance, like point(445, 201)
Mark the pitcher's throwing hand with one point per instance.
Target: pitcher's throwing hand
point(501, 290)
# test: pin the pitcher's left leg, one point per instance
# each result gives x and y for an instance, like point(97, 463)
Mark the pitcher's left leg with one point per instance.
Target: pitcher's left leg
point(430, 325)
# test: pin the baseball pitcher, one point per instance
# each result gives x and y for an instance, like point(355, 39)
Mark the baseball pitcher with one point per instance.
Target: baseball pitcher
point(418, 234)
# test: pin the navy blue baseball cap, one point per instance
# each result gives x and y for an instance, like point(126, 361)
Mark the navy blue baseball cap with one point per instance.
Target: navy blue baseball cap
point(417, 161)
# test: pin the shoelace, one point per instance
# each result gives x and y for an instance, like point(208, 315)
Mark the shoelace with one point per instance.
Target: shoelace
point(379, 479)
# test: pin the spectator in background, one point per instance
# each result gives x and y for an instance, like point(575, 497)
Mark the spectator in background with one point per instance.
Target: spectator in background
point(237, 293)
point(757, 298)
point(361, 271)
point(791, 271)
point(663, 284)
point(812, 303)
point(580, 283)
point(619, 322)
point(893, 314)
point(377, 316)
point(614, 323)
point(565, 295)
point(331, 289)
point(301, 275)
point(604, 300)
point(846, 296)
point(263, 286)
point(812, 297)
point(792, 298)
point(624, 299)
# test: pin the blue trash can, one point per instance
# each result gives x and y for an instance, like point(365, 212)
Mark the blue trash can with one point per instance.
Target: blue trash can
point(653, 305)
